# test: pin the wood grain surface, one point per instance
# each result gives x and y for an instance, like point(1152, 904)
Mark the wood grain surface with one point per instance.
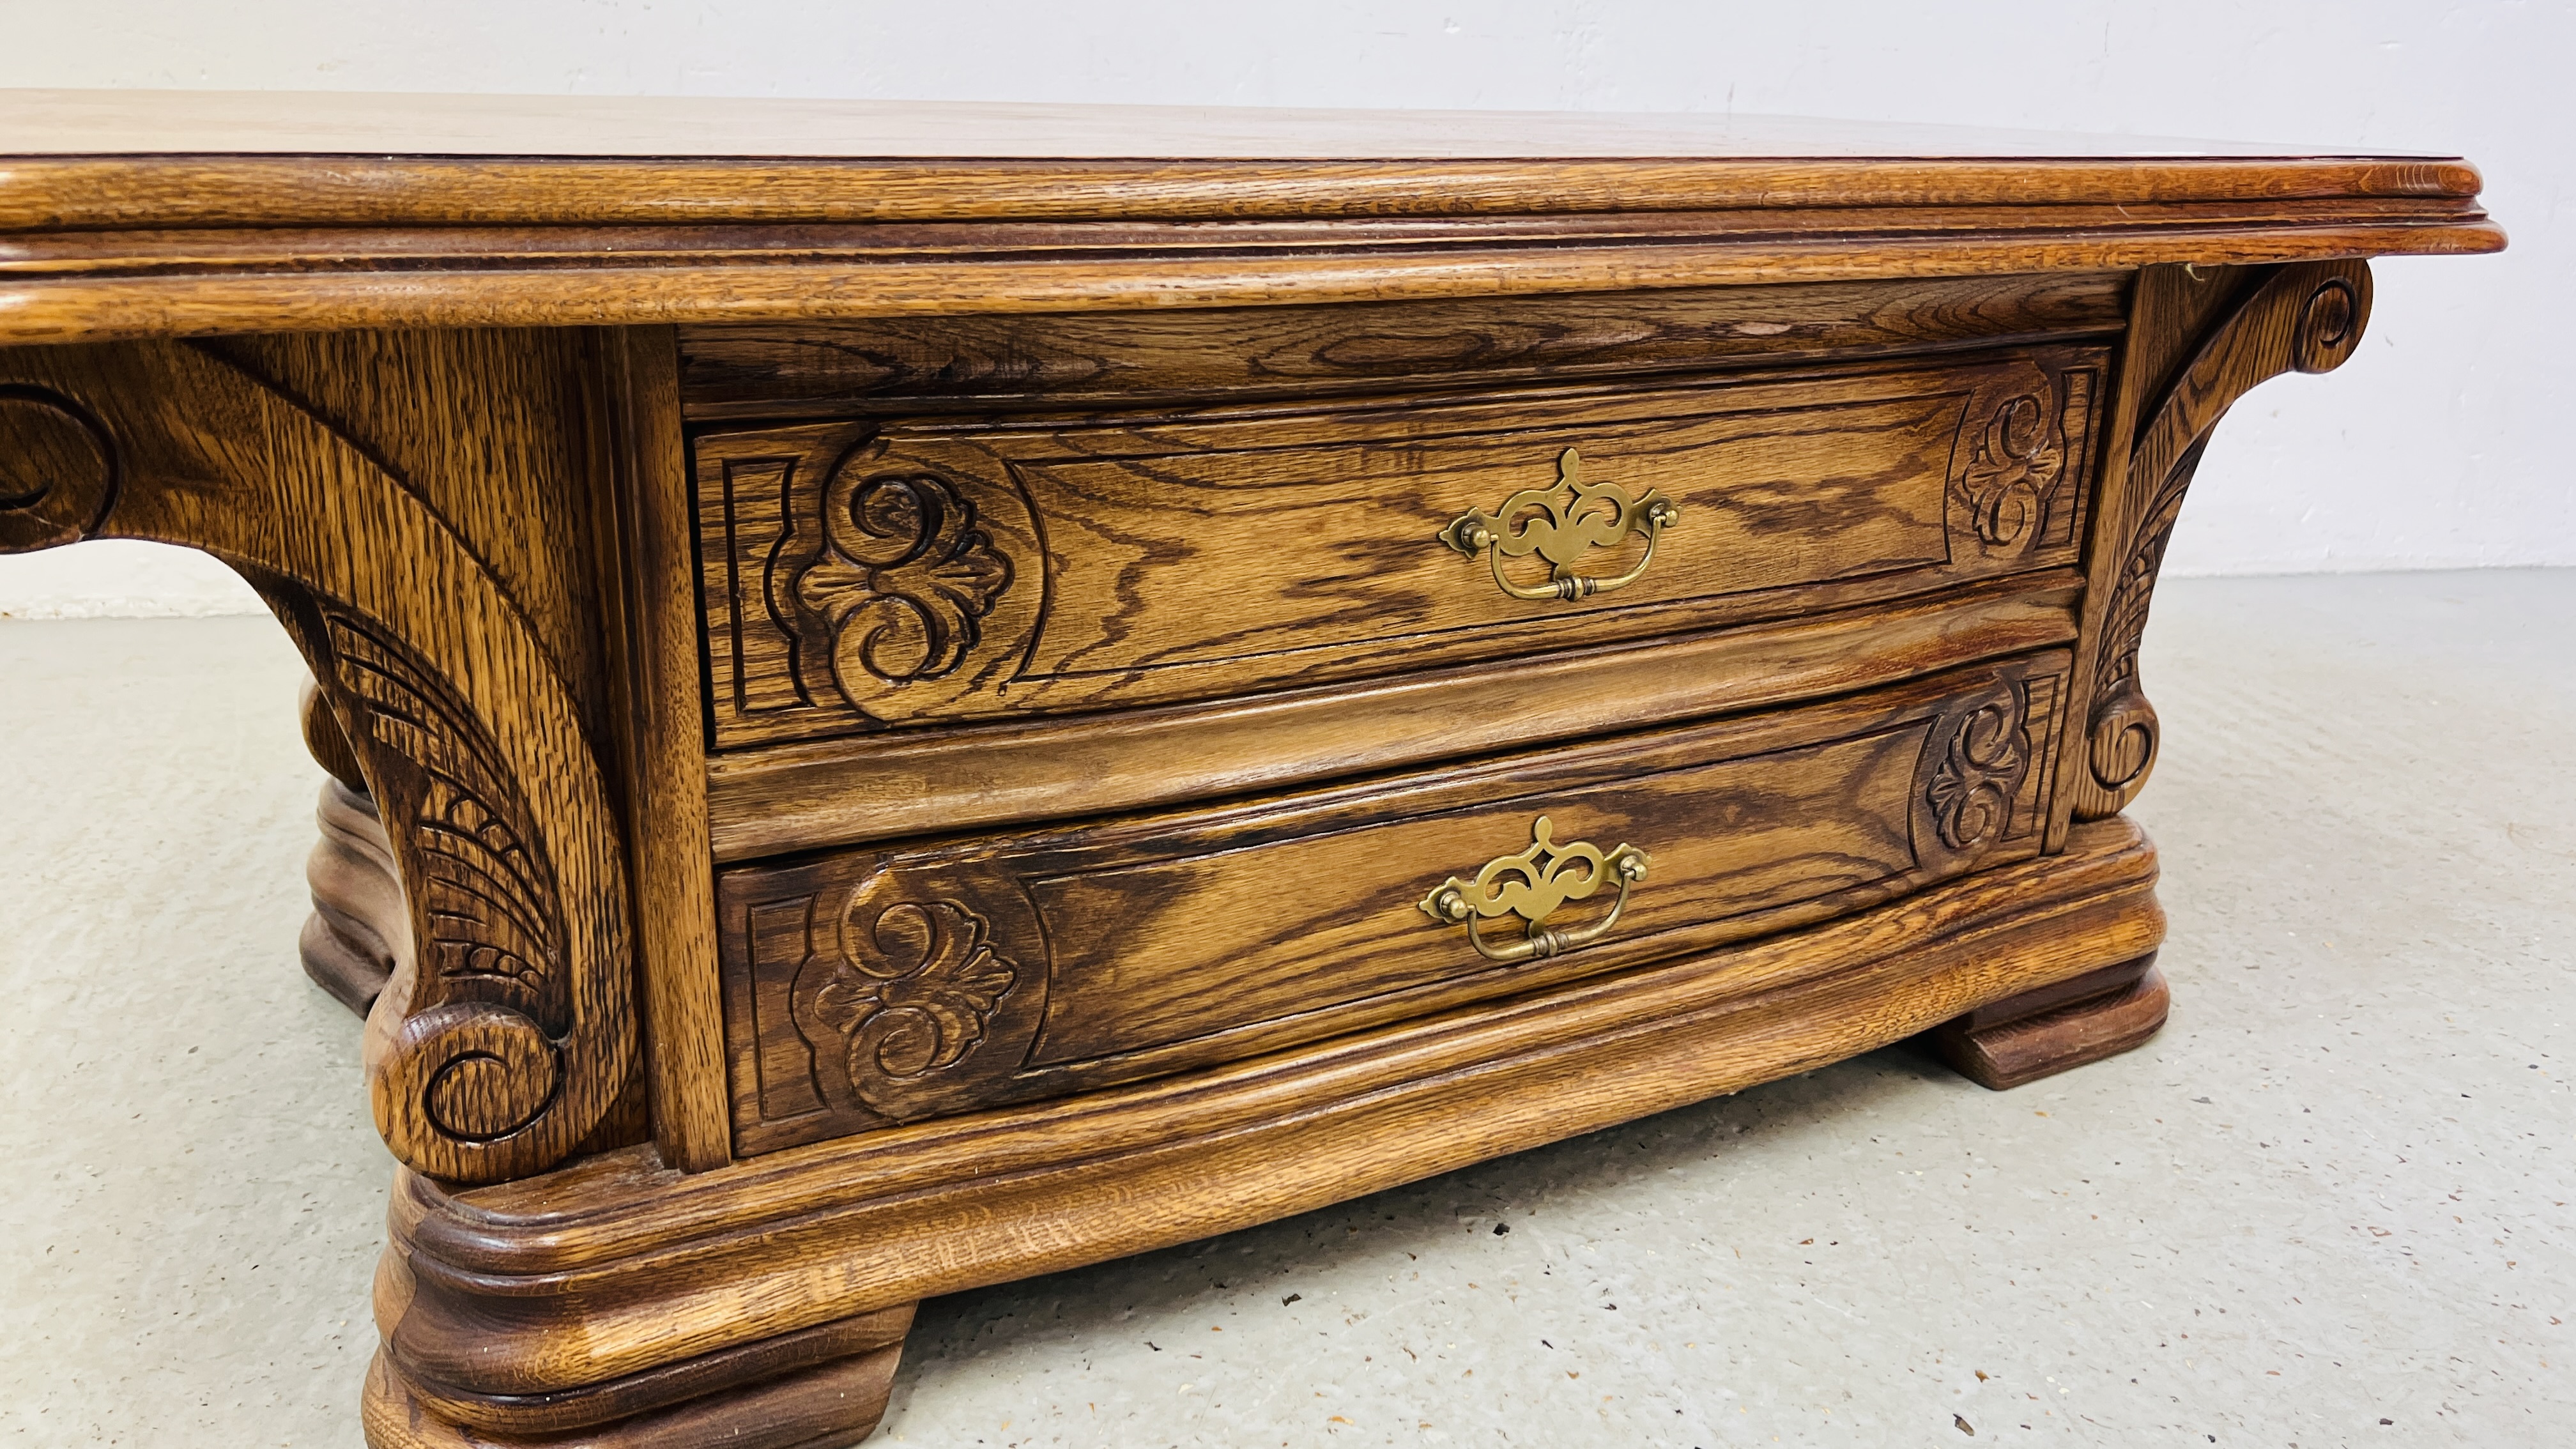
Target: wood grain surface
point(833, 1404)
point(359, 928)
point(316, 214)
point(913, 782)
point(639, 512)
point(109, 285)
point(2019, 1040)
point(838, 1360)
point(896, 365)
point(616, 1265)
point(862, 576)
point(879, 986)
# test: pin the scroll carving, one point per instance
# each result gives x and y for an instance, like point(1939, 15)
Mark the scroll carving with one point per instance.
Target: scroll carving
point(1980, 775)
point(507, 1035)
point(911, 999)
point(865, 582)
point(2015, 466)
point(905, 580)
point(57, 469)
point(912, 991)
point(2306, 318)
point(2019, 461)
point(491, 913)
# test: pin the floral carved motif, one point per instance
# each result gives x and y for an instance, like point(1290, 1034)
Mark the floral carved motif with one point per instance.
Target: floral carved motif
point(911, 992)
point(861, 580)
point(905, 579)
point(2013, 467)
point(1980, 773)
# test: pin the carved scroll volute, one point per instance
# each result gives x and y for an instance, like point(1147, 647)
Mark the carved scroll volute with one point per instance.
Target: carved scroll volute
point(511, 1035)
point(2306, 317)
point(57, 469)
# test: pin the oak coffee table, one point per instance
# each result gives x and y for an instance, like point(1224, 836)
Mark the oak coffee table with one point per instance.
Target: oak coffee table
point(923, 694)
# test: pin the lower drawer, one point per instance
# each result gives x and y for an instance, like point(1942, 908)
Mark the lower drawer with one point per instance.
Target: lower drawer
point(872, 986)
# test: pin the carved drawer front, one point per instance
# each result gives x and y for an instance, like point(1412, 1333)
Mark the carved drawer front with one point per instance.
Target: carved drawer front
point(865, 575)
point(879, 985)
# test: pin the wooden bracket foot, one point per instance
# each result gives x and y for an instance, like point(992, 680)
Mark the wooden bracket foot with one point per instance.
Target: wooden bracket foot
point(2042, 1032)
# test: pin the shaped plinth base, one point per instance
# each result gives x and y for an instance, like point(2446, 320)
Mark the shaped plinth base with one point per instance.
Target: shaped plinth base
point(741, 1399)
point(582, 1303)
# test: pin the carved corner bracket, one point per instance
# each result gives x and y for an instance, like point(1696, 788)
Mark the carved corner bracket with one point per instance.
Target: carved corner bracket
point(509, 1034)
point(2306, 317)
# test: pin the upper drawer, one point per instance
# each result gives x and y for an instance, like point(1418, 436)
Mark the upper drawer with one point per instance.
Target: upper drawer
point(865, 575)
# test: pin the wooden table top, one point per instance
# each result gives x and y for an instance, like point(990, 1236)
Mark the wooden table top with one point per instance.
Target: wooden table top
point(111, 122)
point(139, 213)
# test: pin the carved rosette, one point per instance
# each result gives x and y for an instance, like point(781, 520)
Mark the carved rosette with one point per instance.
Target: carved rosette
point(912, 999)
point(2305, 318)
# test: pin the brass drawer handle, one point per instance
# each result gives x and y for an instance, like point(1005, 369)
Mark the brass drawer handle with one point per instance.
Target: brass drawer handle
point(1531, 885)
point(1561, 524)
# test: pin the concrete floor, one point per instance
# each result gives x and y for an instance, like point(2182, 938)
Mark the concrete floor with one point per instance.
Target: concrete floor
point(2328, 1206)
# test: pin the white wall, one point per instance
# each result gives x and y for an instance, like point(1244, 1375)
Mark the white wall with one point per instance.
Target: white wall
point(2436, 447)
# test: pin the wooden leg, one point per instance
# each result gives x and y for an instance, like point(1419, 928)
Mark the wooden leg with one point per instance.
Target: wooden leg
point(2043, 1032)
point(820, 1388)
point(358, 921)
